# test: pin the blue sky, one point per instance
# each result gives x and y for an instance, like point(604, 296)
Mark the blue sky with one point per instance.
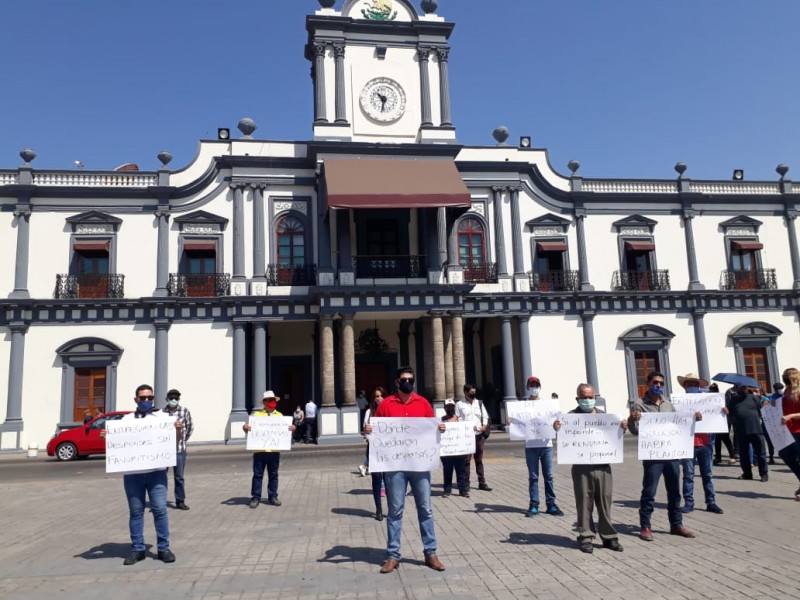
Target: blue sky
point(627, 87)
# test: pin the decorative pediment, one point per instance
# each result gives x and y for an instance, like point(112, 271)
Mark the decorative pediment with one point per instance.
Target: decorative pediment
point(94, 221)
point(635, 225)
point(201, 222)
point(647, 333)
point(741, 225)
point(548, 225)
point(755, 330)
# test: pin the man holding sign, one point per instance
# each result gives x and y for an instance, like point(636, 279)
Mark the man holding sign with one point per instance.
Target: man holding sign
point(268, 458)
point(404, 404)
point(593, 485)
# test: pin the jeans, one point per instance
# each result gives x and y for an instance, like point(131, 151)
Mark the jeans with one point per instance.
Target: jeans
point(479, 442)
point(154, 484)
point(310, 429)
point(702, 458)
point(177, 471)
point(791, 456)
point(653, 469)
point(457, 464)
point(377, 484)
point(272, 461)
point(752, 445)
point(533, 456)
point(396, 485)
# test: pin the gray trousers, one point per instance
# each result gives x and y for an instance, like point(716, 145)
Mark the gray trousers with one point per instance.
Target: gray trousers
point(593, 487)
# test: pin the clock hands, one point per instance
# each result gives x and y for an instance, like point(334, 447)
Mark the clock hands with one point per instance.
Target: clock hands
point(383, 101)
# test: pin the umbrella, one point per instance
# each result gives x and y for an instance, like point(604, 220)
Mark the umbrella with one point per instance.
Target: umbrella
point(736, 379)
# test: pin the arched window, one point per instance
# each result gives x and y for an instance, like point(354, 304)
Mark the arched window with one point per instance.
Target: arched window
point(472, 249)
point(755, 351)
point(291, 235)
point(646, 350)
point(89, 378)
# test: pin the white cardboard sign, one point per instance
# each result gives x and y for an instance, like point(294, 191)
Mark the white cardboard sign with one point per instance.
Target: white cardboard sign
point(404, 444)
point(269, 433)
point(779, 434)
point(590, 439)
point(532, 419)
point(711, 405)
point(666, 436)
point(137, 445)
point(458, 439)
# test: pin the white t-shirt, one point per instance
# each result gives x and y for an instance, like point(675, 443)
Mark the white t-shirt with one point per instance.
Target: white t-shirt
point(311, 410)
point(472, 412)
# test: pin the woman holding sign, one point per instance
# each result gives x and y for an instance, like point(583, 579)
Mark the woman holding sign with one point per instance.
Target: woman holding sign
point(791, 418)
point(453, 463)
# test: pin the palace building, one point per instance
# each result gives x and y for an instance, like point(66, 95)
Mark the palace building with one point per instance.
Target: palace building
point(315, 268)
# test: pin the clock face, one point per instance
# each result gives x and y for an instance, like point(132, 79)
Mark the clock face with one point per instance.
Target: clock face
point(382, 99)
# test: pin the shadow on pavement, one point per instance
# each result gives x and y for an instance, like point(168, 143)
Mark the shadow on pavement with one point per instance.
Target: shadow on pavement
point(237, 501)
point(360, 492)
point(751, 495)
point(108, 550)
point(353, 512)
point(350, 554)
point(539, 539)
point(498, 508)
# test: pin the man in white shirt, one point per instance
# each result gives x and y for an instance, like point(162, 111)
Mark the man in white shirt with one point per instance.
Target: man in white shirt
point(310, 423)
point(471, 410)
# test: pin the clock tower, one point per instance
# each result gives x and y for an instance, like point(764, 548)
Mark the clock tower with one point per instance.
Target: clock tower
point(380, 72)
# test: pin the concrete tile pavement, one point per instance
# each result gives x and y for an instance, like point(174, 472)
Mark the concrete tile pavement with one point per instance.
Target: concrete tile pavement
point(67, 539)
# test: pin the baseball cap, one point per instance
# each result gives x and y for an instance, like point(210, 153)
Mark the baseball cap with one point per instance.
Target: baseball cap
point(173, 393)
point(533, 381)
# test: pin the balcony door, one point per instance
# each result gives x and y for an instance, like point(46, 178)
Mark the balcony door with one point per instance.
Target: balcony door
point(549, 265)
point(638, 262)
point(472, 250)
point(200, 267)
point(744, 264)
point(91, 266)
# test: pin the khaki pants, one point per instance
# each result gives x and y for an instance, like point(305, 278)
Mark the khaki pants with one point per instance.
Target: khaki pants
point(593, 487)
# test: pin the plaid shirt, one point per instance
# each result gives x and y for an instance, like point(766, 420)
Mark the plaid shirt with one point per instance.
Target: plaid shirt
point(184, 434)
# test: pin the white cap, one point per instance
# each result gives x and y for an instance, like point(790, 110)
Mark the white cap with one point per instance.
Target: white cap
point(449, 401)
point(268, 394)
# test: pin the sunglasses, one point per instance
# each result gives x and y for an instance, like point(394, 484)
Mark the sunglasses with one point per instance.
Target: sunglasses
point(143, 398)
point(408, 379)
point(657, 383)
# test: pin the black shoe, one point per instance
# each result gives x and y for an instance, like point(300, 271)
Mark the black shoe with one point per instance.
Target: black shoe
point(714, 509)
point(484, 487)
point(554, 510)
point(771, 460)
point(445, 494)
point(717, 461)
point(379, 515)
point(612, 545)
point(134, 557)
point(687, 508)
point(748, 477)
point(465, 494)
point(274, 502)
point(255, 502)
point(764, 478)
point(586, 547)
point(181, 505)
point(166, 556)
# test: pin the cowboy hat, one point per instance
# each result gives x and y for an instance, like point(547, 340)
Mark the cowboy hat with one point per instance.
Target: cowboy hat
point(693, 377)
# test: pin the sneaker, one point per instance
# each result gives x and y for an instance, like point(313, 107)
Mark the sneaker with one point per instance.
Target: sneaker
point(181, 505)
point(681, 531)
point(166, 556)
point(363, 470)
point(254, 502)
point(484, 487)
point(687, 508)
point(554, 510)
point(743, 476)
point(532, 511)
point(274, 502)
point(612, 545)
point(134, 557)
point(764, 478)
point(733, 461)
point(714, 509)
point(646, 534)
point(717, 461)
point(772, 460)
point(445, 494)
point(586, 547)
point(464, 494)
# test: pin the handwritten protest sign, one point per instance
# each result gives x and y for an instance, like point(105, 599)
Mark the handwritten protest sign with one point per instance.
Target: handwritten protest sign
point(532, 419)
point(590, 439)
point(269, 433)
point(779, 434)
point(666, 436)
point(458, 439)
point(714, 418)
point(135, 445)
point(404, 444)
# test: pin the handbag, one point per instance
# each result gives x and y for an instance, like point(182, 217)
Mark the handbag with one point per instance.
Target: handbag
point(488, 431)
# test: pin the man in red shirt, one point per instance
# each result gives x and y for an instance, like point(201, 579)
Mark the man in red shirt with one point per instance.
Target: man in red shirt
point(406, 403)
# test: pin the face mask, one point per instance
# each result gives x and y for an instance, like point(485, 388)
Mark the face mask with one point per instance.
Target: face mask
point(145, 406)
point(406, 386)
point(533, 391)
point(172, 403)
point(656, 390)
point(271, 406)
point(586, 404)
point(472, 395)
point(694, 390)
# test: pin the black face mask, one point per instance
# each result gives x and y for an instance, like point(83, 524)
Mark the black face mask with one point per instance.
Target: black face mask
point(472, 395)
point(406, 386)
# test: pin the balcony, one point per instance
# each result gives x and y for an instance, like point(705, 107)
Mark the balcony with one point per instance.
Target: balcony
point(389, 266)
point(480, 273)
point(199, 285)
point(641, 281)
point(71, 287)
point(555, 281)
point(291, 274)
point(757, 279)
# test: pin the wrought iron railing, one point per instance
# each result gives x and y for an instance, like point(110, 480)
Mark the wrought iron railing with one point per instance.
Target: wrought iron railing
point(292, 274)
point(90, 286)
point(480, 272)
point(389, 266)
point(199, 285)
point(759, 279)
point(654, 281)
point(555, 281)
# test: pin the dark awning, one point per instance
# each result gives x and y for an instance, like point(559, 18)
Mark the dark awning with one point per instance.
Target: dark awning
point(640, 246)
point(551, 246)
point(199, 246)
point(746, 245)
point(395, 183)
point(91, 245)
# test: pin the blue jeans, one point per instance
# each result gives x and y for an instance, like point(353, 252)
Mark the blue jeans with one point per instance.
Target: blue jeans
point(396, 484)
point(703, 456)
point(653, 469)
point(272, 461)
point(534, 456)
point(154, 484)
point(177, 471)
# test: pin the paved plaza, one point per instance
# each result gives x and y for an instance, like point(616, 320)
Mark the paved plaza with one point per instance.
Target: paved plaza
point(65, 536)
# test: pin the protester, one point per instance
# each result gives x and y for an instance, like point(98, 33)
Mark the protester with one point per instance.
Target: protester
point(87, 416)
point(791, 418)
point(298, 416)
point(703, 451)
point(459, 463)
point(723, 438)
point(777, 392)
point(406, 403)
point(745, 410)
point(654, 401)
point(310, 422)
point(269, 459)
point(184, 427)
point(539, 452)
point(472, 410)
point(593, 486)
point(363, 403)
point(378, 486)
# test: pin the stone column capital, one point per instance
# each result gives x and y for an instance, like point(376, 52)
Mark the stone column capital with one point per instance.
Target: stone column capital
point(163, 324)
point(163, 212)
point(320, 48)
point(19, 327)
point(338, 49)
point(443, 54)
point(22, 210)
point(423, 53)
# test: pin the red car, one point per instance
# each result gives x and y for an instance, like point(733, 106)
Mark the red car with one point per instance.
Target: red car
point(83, 440)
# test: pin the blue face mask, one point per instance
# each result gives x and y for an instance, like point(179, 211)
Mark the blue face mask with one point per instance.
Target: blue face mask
point(696, 390)
point(656, 390)
point(145, 406)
